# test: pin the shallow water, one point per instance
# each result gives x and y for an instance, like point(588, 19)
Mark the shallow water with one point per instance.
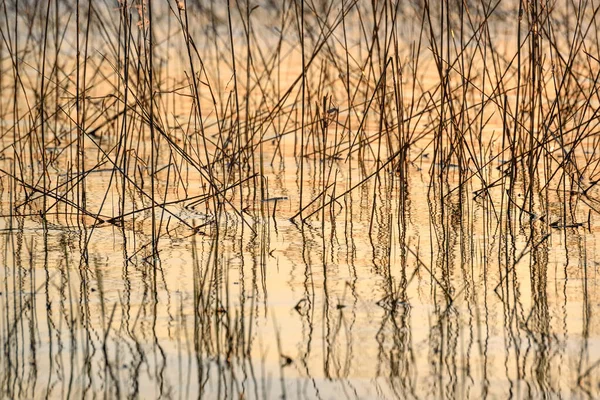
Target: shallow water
point(448, 256)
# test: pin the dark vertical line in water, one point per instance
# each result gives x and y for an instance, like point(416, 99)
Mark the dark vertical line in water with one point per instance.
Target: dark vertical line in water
point(88, 348)
point(484, 344)
point(307, 312)
point(71, 323)
point(6, 332)
point(48, 305)
point(197, 297)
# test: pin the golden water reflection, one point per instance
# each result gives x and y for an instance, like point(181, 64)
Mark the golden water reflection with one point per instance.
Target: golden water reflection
point(312, 311)
point(416, 222)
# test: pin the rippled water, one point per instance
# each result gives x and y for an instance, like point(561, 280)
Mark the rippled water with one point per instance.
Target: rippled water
point(417, 236)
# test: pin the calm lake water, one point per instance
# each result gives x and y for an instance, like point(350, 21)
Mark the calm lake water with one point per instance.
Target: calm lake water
point(185, 213)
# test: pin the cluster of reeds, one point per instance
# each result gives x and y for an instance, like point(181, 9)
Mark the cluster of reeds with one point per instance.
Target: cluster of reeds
point(160, 160)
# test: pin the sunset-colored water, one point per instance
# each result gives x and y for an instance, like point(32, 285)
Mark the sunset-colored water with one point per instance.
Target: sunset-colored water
point(299, 199)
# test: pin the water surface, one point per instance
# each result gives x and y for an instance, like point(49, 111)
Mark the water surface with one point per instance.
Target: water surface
point(186, 213)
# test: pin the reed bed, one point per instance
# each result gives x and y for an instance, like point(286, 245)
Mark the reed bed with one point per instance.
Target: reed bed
point(299, 199)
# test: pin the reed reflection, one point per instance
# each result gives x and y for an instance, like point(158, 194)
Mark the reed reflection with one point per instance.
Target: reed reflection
point(298, 199)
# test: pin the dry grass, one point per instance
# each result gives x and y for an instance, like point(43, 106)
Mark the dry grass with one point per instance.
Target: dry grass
point(446, 153)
